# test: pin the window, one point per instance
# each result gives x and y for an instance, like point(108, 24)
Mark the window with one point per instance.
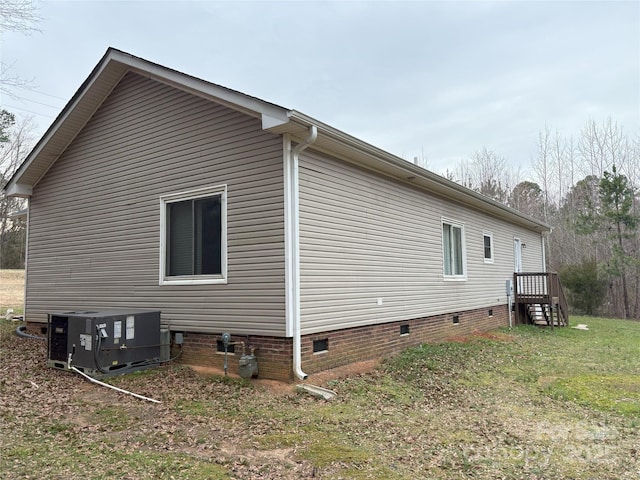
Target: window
point(193, 237)
point(488, 247)
point(453, 250)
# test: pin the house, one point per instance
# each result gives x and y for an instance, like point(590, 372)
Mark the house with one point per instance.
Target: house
point(157, 190)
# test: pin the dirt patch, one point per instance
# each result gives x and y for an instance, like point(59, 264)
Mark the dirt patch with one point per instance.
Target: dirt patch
point(359, 368)
point(321, 379)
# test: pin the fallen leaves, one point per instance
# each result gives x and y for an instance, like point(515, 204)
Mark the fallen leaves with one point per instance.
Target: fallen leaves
point(473, 409)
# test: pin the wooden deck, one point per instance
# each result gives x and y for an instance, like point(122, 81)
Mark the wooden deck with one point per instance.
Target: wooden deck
point(539, 299)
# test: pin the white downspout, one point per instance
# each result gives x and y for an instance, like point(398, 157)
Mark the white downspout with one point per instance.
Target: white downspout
point(292, 259)
point(543, 237)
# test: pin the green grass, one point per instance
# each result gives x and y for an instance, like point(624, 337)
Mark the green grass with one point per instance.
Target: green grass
point(616, 393)
point(528, 403)
point(96, 460)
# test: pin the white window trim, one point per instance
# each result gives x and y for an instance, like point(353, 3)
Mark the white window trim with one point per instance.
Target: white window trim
point(221, 278)
point(460, 225)
point(490, 235)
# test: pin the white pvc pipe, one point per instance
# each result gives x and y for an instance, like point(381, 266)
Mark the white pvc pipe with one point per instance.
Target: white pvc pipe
point(141, 397)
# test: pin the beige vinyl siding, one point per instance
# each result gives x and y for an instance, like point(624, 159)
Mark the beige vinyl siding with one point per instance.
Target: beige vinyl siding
point(94, 233)
point(365, 238)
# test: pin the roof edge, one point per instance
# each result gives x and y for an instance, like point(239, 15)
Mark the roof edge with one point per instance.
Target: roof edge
point(419, 176)
point(113, 65)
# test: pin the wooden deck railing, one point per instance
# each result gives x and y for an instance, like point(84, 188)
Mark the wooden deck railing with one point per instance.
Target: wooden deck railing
point(543, 289)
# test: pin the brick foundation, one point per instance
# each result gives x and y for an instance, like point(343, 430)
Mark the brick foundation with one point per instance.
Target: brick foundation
point(345, 346)
point(274, 354)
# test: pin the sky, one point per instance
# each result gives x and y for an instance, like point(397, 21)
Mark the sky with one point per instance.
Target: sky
point(433, 80)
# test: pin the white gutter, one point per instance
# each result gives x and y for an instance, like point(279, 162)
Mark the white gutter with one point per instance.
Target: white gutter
point(292, 244)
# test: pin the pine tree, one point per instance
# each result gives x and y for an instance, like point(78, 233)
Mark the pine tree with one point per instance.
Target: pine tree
point(613, 214)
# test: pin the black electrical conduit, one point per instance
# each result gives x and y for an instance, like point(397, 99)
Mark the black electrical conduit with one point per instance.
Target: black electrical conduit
point(21, 331)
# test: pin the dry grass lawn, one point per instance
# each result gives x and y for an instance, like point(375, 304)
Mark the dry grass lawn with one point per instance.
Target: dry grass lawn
point(529, 404)
point(11, 290)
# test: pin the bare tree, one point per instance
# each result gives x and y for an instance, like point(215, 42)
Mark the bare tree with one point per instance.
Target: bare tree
point(487, 173)
point(543, 167)
point(558, 156)
point(16, 16)
point(526, 197)
point(462, 174)
point(19, 16)
point(570, 168)
point(601, 147)
point(17, 139)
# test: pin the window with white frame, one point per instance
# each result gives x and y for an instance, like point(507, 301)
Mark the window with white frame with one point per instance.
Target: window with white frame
point(453, 250)
point(193, 236)
point(488, 247)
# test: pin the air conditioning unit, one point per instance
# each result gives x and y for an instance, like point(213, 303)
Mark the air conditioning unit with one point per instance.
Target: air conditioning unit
point(104, 343)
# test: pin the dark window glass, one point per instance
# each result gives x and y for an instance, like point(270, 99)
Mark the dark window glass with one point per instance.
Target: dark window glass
point(487, 247)
point(194, 237)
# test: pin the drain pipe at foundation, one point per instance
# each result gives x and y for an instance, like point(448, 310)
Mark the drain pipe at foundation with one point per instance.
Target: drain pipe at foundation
point(294, 221)
point(112, 387)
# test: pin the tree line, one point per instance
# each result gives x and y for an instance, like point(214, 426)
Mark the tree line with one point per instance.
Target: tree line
point(587, 190)
point(16, 139)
